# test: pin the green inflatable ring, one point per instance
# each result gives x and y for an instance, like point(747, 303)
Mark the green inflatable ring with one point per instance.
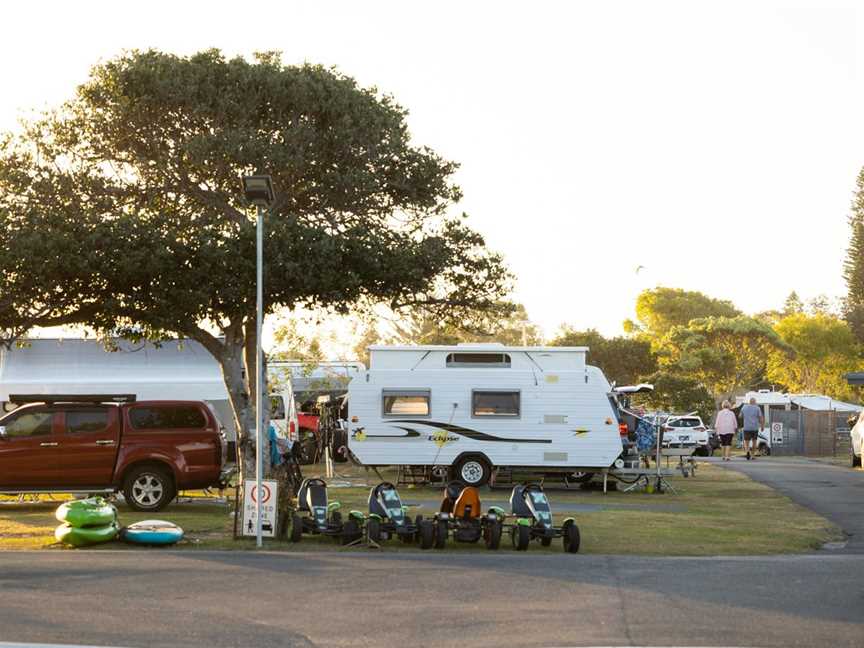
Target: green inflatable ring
point(81, 537)
point(90, 512)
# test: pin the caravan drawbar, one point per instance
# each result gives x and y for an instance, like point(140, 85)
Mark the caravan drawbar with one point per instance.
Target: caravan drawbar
point(474, 408)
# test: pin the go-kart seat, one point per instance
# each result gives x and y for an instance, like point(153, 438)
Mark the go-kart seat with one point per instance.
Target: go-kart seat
point(312, 492)
point(467, 504)
point(452, 491)
point(518, 505)
point(379, 491)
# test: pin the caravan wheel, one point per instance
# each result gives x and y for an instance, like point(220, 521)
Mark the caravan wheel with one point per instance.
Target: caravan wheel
point(473, 470)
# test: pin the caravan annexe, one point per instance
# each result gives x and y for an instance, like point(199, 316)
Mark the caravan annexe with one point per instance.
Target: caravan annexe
point(479, 407)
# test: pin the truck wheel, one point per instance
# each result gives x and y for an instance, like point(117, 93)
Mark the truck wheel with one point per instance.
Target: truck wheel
point(148, 488)
point(473, 470)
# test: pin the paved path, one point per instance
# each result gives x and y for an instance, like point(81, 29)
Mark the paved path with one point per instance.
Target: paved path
point(835, 492)
point(215, 599)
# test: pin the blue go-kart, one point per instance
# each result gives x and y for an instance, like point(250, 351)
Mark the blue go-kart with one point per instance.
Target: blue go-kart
point(530, 507)
point(316, 516)
point(388, 517)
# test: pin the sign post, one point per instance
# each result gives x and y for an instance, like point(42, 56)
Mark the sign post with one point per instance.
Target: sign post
point(268, 509)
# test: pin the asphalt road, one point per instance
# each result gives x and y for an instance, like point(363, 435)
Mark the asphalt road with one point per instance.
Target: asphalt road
point(216, 599)
point(835, 492)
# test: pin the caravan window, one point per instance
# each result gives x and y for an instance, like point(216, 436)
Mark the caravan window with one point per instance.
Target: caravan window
point(478, 360)
point(495, 403)
point(406, 402)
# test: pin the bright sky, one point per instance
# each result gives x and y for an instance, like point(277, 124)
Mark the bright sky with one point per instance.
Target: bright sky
point(714, 143)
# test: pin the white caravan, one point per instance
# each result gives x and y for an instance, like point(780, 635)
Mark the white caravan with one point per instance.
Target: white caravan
point(478, 407)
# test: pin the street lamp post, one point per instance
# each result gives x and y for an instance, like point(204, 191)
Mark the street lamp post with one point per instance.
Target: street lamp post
point(258, 190)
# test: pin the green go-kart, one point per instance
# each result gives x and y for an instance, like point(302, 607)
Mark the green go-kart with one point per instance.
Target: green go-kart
point(388, 518)
point(530, 507)
point(316, 516)
point(462, 518)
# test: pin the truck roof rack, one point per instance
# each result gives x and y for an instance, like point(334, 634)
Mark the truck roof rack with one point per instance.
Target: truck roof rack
point(50, 399)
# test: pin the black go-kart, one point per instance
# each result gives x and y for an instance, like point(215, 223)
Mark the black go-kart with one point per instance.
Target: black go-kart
point(316, 516)
point(461, 516)
point(388, 518)
point(530, 507)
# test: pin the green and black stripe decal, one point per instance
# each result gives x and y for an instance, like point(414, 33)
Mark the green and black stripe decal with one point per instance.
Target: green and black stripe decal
point(475, 435)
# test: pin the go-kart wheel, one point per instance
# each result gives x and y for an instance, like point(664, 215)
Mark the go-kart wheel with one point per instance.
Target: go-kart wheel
point(492, 534)
point(520, 536)
point(336, 517)
point(407, 538)
point(440, 534)
point(570, 532)
point(296, 528)
point(350, 532)
point(427, 534)
point(373, 530)
point(418, 523)
point(545, 541)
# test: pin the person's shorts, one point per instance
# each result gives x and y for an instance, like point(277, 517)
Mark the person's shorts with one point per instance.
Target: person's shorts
point(750, 435)
point(726, 439)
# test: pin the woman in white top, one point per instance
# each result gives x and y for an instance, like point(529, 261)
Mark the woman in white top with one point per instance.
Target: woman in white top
point(726, 425)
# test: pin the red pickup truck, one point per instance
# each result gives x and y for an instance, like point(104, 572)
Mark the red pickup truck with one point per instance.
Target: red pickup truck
point(94, 444)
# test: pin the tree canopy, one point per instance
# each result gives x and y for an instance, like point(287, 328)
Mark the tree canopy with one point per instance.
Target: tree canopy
point(723, 353)
point(660, 309)
point(825, 350)
point(623, 360)
point(122, 210)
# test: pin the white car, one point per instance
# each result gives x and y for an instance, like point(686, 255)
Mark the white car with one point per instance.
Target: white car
point(686, 432)
point(856, 447)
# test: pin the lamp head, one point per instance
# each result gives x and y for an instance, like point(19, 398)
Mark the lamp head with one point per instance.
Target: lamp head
point(258, 190)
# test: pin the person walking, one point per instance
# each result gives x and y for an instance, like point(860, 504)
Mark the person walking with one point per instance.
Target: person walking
point(726, 425)
point(751, 422)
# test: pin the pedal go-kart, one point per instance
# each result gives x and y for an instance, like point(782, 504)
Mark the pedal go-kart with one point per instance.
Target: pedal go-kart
point(529, 506)
point(461, 516)
point(388, 518)
point(323, 517)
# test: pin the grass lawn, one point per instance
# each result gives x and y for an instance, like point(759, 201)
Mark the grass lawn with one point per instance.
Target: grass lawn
point(717, 512)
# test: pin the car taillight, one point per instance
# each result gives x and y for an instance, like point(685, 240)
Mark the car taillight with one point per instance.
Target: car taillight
point(622, 429)
point(292, 429)
point(699, 428)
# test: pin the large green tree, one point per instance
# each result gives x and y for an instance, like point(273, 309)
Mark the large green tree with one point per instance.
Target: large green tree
point(660, 309)
point(853, 265)
point(509, 326)
point(825, 350)
point(122, 209)
point(623, 360)
point(724, 354)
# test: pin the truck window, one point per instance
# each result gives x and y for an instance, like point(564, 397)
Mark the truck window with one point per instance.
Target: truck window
point(495, 403)
point(89, 420)
point(29, 424)
point(406, 403)
point(166, 418)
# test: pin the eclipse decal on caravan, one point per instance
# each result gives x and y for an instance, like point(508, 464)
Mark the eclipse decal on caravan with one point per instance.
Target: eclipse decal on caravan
point(478, 407)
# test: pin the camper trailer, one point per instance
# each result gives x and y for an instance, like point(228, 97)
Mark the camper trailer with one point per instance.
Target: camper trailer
point(476, 408)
